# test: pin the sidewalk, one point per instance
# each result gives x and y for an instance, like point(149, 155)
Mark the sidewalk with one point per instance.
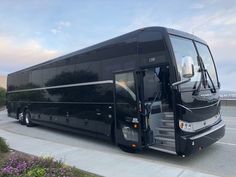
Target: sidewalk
point(101, 163)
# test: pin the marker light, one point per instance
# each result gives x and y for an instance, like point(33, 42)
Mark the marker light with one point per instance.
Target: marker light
point(186, 126)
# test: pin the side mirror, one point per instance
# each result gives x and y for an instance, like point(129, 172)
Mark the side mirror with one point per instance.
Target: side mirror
point(187, 71)
point(187, 67)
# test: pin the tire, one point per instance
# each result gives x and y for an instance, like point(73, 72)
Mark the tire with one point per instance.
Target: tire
point(21, 118)
point(27, 118)
point(127, 149)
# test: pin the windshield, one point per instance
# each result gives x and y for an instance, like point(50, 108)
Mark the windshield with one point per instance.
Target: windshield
point(185, 47)
point(208, 61)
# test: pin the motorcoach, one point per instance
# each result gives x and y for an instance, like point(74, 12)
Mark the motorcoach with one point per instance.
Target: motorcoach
point(151, 88)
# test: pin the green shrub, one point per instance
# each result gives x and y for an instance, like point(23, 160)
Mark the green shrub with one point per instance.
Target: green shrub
point(36, 172)
point(2, 96)
point(3, 145)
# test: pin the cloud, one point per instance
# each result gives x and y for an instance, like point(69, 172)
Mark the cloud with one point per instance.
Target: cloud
point(217, 28)
point(59, 27)
point(55, 31)
point(197, 6)
point(226, 79)
point(142, 20)
point(64, 24)
point(16, 54)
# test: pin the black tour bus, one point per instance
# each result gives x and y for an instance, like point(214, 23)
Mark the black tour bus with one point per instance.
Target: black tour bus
point(151, 88)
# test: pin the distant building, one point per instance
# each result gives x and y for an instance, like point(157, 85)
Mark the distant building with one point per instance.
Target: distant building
point(228, 95)
point(3, 81)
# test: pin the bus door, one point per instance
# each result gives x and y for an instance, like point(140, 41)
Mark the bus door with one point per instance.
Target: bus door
point(157, 112)
point(127, 116)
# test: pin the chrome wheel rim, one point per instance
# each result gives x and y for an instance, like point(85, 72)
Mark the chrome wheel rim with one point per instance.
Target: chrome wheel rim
point(21, 116)
point(27, 118)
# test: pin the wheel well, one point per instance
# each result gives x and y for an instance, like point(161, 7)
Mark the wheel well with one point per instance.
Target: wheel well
point(113, 138)
point(25, 108)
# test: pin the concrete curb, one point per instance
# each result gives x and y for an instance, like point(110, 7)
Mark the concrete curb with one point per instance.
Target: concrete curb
point(101, 163)
point(2, 108)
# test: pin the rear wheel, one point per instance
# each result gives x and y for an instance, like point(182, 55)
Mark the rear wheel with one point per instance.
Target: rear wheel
point(20, 117)
point(27, 117)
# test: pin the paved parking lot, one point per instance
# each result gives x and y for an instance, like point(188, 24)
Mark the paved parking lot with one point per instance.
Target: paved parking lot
point(219, 159)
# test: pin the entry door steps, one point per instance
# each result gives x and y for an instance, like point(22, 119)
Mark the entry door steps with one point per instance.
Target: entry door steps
point(164, 143)
point(164, 137)
point(170, 150)
point(165, 131)
point(167, 123)
point(168, 115)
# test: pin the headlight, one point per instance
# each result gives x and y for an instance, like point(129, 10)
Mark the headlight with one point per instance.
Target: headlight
point(196, 126)
point(186, 126)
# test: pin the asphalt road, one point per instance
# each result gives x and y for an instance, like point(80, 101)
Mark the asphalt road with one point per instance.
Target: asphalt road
point(218, 159)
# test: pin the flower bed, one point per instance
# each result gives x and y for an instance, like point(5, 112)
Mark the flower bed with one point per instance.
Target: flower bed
point(22, 165)
point(17, 164)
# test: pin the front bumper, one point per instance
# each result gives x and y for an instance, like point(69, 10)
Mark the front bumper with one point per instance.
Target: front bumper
point(190, 144)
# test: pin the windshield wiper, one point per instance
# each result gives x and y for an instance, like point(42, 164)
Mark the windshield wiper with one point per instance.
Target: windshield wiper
point(213, 90)
point(204, 75)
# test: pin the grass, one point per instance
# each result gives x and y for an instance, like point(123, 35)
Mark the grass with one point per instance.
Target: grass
point(3, 146)
point(4, 151)
point(2, 97)
point(3, 158)
point(17, 164)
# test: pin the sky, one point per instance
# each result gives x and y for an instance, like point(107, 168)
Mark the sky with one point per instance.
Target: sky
point(38, 30)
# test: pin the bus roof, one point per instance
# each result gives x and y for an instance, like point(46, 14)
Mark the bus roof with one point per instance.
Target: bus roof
point(113, 41)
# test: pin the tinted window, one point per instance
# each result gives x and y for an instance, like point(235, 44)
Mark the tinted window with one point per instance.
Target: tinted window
point(87, 93)
point(125, 88)
point(64, 66)
point(152, 84)
point(37, 77)
point(49, 73)
point(151, 41)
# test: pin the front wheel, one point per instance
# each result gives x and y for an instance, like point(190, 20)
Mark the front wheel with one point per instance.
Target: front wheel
point(27, 117)
point(127, 149)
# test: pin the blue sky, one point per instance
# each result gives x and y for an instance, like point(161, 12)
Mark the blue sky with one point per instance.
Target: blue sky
point(38, 30)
